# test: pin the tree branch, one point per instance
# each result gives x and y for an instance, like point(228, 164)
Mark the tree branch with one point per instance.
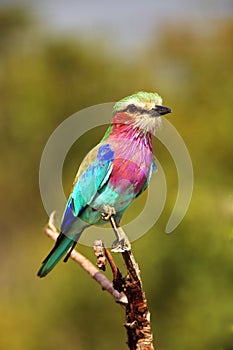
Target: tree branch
point(127, 291)
point(52, 232)
point(137, 313)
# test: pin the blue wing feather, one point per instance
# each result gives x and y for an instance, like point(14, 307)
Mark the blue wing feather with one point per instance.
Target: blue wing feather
point(92, 175)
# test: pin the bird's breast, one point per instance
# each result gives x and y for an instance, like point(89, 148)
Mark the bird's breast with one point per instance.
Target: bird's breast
point(129, 172)
point(131, 165)
point(127, 176)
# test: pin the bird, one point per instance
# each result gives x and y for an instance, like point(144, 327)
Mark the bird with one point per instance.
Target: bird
point(111, 175)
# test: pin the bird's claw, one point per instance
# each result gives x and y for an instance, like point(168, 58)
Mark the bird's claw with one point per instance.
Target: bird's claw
point(107, 212)
point(122, 243)
point(121, 246)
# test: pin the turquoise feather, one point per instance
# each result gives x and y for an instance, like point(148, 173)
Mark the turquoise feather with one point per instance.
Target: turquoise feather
point(63, 244)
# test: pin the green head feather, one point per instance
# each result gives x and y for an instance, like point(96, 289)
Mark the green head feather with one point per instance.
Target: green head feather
point(141, 99)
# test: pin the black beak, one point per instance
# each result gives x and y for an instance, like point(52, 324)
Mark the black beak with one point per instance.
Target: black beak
point(160, 110)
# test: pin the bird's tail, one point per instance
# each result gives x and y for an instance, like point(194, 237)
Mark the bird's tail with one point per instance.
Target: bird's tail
point(63, 245)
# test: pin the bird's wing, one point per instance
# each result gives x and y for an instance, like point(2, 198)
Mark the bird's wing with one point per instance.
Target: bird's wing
point(93, 173)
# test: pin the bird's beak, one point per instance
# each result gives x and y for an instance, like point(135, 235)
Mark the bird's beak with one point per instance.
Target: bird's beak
point(157, 111)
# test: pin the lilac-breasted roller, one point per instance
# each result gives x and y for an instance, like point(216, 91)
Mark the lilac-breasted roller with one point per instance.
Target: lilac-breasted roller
point(111, 175)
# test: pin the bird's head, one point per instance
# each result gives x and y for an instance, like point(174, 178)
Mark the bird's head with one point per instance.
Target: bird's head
point(142, 110)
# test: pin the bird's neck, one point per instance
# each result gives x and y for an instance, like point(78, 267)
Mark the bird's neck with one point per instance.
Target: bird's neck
point(124, 129)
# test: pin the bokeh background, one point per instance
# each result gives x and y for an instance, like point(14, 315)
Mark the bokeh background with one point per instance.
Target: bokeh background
point(57, 57)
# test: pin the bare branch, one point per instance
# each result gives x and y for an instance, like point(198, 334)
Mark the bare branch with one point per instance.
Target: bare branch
point(100, 254)
point(111, 263)
point(137, 313)
point(52, 232)
point(128, 291)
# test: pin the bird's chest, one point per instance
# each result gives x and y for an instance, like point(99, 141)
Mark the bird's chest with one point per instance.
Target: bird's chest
point(131, 168)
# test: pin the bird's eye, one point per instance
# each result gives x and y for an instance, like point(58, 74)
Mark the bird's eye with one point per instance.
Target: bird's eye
point(131, 108)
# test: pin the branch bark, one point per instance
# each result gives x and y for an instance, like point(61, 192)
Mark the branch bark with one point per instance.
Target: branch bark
point(127, 291)
point(137, 313)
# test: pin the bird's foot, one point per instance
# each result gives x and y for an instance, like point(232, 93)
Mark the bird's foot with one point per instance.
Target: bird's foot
point(121, 246)
point(107, 211)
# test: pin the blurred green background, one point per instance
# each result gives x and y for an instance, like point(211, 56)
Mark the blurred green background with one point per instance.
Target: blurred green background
point(48, 74)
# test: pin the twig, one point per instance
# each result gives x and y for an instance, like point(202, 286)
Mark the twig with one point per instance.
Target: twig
point(118, 280)
point(100, 254)
point(52, 232)
point(111, 263)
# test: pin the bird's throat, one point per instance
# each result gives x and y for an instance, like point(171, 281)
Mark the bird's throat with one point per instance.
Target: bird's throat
point(124, 127)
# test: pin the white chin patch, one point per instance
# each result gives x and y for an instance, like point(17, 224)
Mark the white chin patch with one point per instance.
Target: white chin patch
point(148, 123)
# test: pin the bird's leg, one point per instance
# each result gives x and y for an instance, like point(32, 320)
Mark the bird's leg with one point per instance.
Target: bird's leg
point(122, 243)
